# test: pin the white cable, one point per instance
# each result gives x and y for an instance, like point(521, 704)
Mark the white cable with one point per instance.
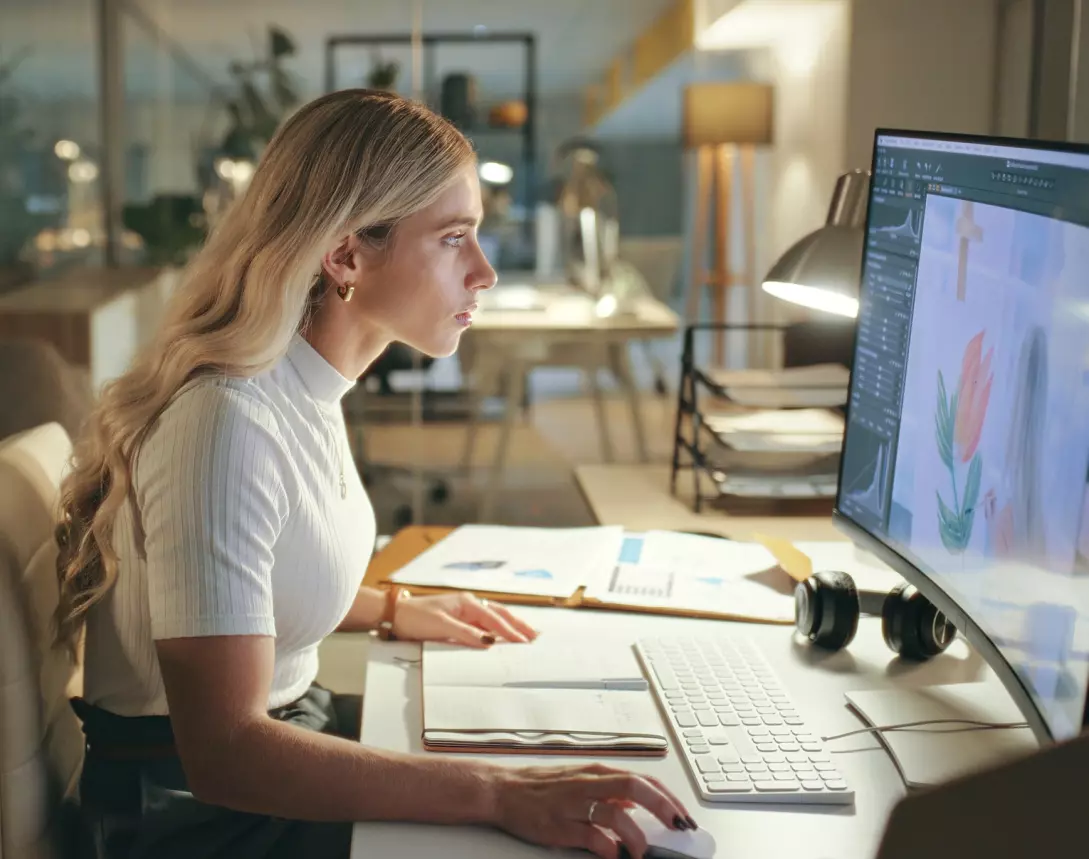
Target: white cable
point(973, 725)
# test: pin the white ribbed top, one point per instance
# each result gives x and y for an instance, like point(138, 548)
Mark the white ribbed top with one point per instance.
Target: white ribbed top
point(245, 531)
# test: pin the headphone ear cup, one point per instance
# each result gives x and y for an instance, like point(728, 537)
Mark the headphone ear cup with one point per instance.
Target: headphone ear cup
point(826, 609)
point(912, 626)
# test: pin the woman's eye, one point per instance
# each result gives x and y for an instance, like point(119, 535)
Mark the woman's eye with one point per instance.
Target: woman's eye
point(454, 241)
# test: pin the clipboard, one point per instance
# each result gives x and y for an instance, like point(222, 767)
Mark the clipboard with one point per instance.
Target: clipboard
point(413, 540)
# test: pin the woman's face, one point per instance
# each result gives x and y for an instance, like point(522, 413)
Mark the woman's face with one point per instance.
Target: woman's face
point(422, 289)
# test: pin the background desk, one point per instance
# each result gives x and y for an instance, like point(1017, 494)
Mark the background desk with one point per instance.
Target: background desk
point(504, 344)
point(392, 720)
point(638, 497)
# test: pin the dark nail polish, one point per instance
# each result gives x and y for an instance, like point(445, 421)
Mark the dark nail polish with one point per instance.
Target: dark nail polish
point(692, 823)
point(679, 823)
point(488, 638)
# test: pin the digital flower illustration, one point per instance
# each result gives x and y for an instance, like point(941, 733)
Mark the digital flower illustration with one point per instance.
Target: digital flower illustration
point(958, 426)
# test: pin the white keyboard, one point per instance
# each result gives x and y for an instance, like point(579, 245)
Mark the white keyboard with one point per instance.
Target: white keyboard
point(740, 736)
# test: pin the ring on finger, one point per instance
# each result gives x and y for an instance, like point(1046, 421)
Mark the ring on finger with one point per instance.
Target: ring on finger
point(483, 602)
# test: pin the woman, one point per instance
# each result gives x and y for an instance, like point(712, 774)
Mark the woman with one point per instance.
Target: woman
point(214, 530)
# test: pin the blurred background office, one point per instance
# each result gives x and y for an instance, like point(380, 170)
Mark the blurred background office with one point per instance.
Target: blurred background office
point(645, 163)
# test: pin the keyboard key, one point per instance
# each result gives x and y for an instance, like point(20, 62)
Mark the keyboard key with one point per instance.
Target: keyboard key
point(821, 758)
point(735, 777)
point(707, 764)
point(699, 748)
point(692, 732)
point(776, 786)
point(808, 775)
point(685, 718)
point(727, 755)
point(707, 718)
point(728, 720)
point(752, 759)
point(798, 758)
point(771, 720)
point(812, 747)
point(757, 769)
point(779, 768)
point(823, 767)
point(789, 747)
point(813, 785)
point(836, 785)
point(779, 732)
point(717, 778)
point(831, 775)
point(775, 758)
point(751, 720)
point(718, 740)
point(730, 787)
point(733, 767)
point(784, 776)
point(793, 721)
point(803, 737)
point(766, 747)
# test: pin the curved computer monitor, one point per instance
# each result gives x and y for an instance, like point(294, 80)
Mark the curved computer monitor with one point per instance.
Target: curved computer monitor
point(965, 463)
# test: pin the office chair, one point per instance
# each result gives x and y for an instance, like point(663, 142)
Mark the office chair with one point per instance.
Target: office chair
point(396, 358)
point(41, 747)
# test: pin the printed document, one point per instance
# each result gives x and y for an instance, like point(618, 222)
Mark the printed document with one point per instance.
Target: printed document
point(553, 562)
point(688, 572)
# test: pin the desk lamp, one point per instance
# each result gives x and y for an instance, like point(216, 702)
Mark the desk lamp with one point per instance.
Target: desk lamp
point(822, 270)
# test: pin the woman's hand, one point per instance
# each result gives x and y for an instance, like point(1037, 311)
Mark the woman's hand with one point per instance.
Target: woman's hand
point(460, 618)
point(583, 807)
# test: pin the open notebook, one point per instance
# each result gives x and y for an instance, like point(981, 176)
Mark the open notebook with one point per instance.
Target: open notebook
point(542, 698)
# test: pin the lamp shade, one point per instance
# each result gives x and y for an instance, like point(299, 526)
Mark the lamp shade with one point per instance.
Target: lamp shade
point(823, 269)
point(739, 112)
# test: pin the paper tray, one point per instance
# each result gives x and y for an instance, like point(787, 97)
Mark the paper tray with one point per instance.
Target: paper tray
point(415, 539)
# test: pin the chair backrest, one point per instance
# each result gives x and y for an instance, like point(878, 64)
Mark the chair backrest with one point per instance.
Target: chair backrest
point(37, 386)
point(41, 743)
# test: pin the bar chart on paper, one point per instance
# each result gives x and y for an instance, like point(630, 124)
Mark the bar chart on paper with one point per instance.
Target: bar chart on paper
point(663, 569)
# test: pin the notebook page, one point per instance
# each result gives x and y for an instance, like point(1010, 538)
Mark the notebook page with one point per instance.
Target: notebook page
point(550, 660)
point(529, 711)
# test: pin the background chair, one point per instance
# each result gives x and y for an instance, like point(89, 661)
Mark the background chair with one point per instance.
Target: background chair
point(37, 386)
point(41, 742)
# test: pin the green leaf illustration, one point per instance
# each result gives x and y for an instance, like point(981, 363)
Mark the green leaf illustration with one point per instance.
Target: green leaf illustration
point(971, 488)
point(943, 424)
point(949, 527)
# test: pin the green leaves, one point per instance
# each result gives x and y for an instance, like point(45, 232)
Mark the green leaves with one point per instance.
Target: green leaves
point(943, 423)
point(955, 523)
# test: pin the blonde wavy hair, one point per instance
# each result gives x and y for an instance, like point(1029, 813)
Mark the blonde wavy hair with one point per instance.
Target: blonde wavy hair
point(351, 161)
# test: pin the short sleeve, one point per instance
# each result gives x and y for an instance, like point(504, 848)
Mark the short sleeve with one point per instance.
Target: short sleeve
point(212, 500)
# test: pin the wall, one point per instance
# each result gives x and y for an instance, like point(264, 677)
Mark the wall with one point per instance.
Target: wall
point(1015, 68)
point(920, 64)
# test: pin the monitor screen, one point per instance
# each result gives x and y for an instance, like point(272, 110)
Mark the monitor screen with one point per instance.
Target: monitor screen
point(966, 455)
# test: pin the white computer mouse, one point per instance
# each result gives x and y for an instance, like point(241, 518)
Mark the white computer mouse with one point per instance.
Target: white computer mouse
point(666, 843)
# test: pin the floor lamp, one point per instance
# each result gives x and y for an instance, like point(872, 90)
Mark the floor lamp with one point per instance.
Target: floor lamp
point(724, 121)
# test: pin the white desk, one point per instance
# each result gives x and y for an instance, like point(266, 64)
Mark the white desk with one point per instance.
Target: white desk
point(392, 720)
point(519, 328)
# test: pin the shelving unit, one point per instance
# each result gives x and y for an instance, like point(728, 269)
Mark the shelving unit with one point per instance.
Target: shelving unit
point(749, 439)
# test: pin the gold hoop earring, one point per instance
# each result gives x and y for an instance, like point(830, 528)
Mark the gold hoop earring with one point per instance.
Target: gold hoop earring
point(346, 291)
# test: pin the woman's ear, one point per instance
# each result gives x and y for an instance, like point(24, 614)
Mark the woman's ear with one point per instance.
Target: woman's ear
point(342, 264)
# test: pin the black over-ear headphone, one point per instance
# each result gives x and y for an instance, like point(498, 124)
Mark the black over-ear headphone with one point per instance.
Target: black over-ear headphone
point(827, 606)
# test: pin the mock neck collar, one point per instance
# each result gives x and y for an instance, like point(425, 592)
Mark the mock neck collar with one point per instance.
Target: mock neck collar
point(321, 378)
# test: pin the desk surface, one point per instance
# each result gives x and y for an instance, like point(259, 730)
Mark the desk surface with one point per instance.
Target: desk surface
point(556, 309)
point(638, 497)
point(392, 720)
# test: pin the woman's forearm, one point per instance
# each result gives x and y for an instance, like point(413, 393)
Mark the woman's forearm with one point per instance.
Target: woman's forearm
point(282, 770)
point(366, 611)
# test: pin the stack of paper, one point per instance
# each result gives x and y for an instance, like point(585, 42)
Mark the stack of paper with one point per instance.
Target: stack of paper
point(816, 386)
point(551, 562)
point(549, 696)
point(780, 430)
